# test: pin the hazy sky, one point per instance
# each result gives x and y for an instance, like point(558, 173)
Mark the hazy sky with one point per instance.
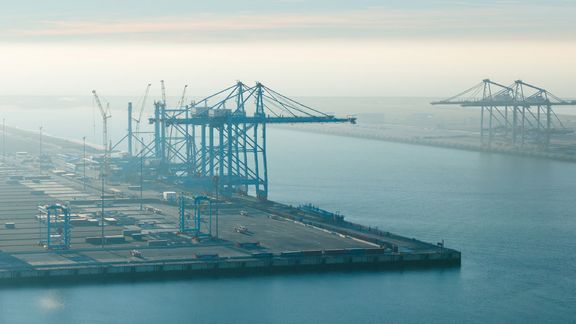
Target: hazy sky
point(300, 47)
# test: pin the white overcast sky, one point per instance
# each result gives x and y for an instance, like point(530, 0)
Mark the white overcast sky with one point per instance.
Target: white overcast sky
point(300, 47)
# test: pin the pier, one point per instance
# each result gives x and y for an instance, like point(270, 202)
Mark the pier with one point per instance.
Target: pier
point(251, 235)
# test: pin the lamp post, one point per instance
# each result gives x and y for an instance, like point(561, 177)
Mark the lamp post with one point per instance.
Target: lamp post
point(102, 178)
point(102, 212)
point(40, 141)
point(216, 180)
point(4, 139)
point(141, 171)
point(84, 162)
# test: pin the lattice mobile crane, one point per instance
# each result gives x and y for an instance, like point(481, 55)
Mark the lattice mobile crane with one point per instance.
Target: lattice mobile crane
point(141, 112)
point(105, 116)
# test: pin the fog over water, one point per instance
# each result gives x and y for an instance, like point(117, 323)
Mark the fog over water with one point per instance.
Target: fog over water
point(73, 117)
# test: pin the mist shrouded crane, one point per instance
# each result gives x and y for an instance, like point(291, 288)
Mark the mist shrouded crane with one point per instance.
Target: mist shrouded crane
point(105, 116)
point(141, 112)
point(183, 97)
point(163, 89)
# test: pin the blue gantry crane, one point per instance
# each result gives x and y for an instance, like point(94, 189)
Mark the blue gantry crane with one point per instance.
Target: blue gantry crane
point(219, 142)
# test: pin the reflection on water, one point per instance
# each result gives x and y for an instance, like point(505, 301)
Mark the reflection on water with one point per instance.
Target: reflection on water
point(50, 301)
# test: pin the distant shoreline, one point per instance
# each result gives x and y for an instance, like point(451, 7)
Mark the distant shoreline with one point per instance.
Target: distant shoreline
point(380, 137)
point(27, 132)
point(439, 143)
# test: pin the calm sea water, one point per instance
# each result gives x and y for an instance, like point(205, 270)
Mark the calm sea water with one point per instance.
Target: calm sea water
point(513, 219)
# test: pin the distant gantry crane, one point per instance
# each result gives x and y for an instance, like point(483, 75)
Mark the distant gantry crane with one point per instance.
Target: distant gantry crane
point(517, 114)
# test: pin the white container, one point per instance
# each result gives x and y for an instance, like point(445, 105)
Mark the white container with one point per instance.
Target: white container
point(169, 195)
